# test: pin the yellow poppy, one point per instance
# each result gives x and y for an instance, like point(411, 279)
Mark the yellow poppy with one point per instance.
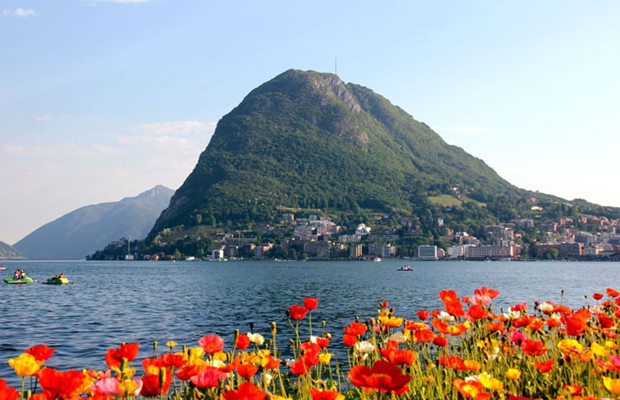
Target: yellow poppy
point(25, 364)
point(513, 373)
point(491, 383)
point(613, 385)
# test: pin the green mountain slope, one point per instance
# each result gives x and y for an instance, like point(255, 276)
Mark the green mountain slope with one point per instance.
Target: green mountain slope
point(82, 231)
point(308, 140)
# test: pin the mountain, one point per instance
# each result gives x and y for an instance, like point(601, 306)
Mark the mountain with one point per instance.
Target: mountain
point(8, 253)
point(80, 232)
point(308, 141)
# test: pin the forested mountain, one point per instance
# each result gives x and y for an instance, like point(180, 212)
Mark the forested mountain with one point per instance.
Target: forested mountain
point(307, 140)
point(81, 232)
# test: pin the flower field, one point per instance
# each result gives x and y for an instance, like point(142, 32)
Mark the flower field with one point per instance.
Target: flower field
point(465, 350)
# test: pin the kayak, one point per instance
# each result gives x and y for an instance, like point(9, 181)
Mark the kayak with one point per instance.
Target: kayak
point(14, 281)
point(57, 281)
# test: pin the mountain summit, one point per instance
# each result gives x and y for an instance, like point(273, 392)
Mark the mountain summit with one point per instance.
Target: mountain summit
point(307, 140)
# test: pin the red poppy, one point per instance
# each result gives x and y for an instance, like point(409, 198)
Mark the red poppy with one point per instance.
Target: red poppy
point(355, 328)
point(597, 296)
point(247, 370)
point(60, 385)
point(243, 341)
point(211, 344)
point(152, 384)
point(454, 362)
point(208, 378)
point(476, 312)
point(440, 341)
point(319, 394)
point(423, 314)
point(299, 367)
point(533, 347)
point(128, 351)
point(397, 356)
point(544, 366)
point(40, 352)
point(496, 327)
point(187, 372)
point(383, 376)
point(573, 390)
point(297, 312)
point(349, 340)
point(519, 307)
point(451, 302)
point(484, 291)
point(272, 363)
point(605, 321)
point(7, 393)
point(577, 322)
point(311, 302)
point(322, 342)
point(424, 335)
point(172, 360)
point(612, 292)
point(245, 391)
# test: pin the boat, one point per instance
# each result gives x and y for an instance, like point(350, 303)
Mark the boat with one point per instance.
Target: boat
point(405, 268)
point(57, 281)
point(15, 281)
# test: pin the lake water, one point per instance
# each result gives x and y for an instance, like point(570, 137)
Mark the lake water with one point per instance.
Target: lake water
point(113, 302)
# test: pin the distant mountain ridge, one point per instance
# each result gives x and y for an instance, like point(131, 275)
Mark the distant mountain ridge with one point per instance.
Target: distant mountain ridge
point(82, 231)
point(7, 252)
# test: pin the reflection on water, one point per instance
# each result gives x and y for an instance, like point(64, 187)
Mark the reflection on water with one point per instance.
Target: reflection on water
point(113, 302)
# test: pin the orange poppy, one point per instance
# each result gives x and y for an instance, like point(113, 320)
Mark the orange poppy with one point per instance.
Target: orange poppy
point(545, 366)
point(355, 328)
point(476, 312)
point(452, 303)
point(484, 291)
point(397, 356)
point(383, 377)
point(471, 389)
point(612, 292)
point(247, 371)
point(320, 394)
point(424, 336)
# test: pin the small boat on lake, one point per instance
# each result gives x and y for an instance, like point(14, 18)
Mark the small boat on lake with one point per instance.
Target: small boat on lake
point(57, 280)
point(18, 281)
point(405, 268)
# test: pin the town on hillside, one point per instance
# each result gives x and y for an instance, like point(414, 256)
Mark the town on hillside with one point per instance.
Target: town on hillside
point(315, 237)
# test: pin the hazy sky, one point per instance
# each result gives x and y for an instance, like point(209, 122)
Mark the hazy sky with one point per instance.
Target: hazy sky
point(104, 99)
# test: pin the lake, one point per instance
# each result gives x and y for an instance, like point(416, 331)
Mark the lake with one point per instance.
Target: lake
point(113, 302)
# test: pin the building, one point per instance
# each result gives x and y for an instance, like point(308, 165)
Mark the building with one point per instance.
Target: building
point(427, 252)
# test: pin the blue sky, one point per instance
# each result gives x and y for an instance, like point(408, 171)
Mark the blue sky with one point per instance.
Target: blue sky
point(103, 99)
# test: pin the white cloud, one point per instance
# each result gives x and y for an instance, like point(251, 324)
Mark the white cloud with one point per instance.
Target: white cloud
point(66, 152)
point(20, 12)
point(176, 128)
